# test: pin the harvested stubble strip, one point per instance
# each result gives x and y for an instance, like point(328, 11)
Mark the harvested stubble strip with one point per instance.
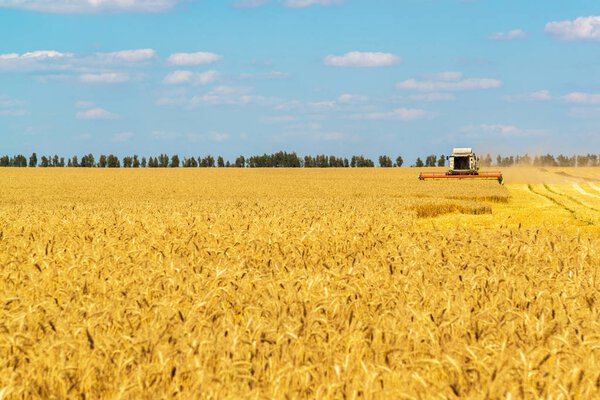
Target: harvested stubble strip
point(435, 209)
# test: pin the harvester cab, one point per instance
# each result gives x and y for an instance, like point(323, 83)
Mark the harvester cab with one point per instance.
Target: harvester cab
point(463, 164)
point(463, 161)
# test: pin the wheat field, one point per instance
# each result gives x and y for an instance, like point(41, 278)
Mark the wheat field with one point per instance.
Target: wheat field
point(240, 283)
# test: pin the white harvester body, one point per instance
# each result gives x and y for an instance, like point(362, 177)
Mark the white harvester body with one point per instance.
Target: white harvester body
point(463, 161)
point(463, 164)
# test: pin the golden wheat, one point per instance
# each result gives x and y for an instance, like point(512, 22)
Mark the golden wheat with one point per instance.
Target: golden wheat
point(293, 283)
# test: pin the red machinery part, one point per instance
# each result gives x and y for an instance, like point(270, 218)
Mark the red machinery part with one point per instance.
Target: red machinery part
point(482, 175)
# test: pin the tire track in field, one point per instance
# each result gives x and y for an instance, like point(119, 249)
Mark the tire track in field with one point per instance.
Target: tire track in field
point(596, 188)
point(573, 199)
point(583, 192)
point(560, 205)
point(584, 178)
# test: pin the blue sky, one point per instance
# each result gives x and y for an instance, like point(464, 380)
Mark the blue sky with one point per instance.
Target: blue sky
point(343, 77)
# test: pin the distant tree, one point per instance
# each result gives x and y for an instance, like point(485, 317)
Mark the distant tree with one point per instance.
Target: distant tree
point(220, 162)
point(127, 162)
point(44, 162)
point(102, 163)
point(399, 161)
point(240, 162)
point(431, 160)
point(175, 161)
point(227, 164)
point(74, 162)
point(56, 161)
point(88, 161)
point(144, 162)
point(385, 162)
point(33, 160)
point(207, 162)
point(419, 163)
point(113, 161)
point(441, 161)
point(163, 161)
point(136, 161)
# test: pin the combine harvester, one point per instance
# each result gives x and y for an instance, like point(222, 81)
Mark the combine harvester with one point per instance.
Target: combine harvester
point(463, 164)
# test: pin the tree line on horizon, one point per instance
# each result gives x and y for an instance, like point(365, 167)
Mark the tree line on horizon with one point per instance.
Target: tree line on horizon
point(283, 159)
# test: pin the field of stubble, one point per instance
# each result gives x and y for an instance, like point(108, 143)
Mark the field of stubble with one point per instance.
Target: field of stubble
point(298, 284)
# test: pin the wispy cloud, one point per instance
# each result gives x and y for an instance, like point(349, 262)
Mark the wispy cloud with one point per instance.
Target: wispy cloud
point(104, 77)
point(189, 77)
point(286, 3)
point(402, 114)
point(448, 82)
point(510, 35)
point(348, 98)
point(190, 59)
point(12, 108)
point(250, 3)
point(122, 137)
point(500, 130)
point(211, 137)
point(96, 113)
point(360, 59)
point(432, 97)
point(538, 95)
point(582, 98)
point(128, 55)
point(90, 6)
point(308, 3)
point(582, 28)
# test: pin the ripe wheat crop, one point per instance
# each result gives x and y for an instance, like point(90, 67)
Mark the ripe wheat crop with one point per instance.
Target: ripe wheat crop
point(294, 284)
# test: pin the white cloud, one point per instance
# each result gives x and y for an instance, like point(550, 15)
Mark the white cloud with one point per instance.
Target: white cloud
point(582, 28)
point(432, 97)
point(510, 35)
point(500, 130)
point(96, 113)
point(123, 136)
point(34, 60)
point(278, 119)
point(362, 59)
point(403, 114)
point(104, 77)
point(308, 3)
point(84, 104)
point(286, 3)
point(582, 98)
point(449, 81)
point(35, 55)
point(250, 3)
point(163, 135)
point(90, 6)
point(198, 58)
point(212, 136)
point(268, 75)
point(180, 77)
point(230, 95)
point(539, 95)
point(128, 55)
point(351, 98)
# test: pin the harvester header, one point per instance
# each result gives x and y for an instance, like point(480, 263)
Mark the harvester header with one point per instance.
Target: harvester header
point(463, 164)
